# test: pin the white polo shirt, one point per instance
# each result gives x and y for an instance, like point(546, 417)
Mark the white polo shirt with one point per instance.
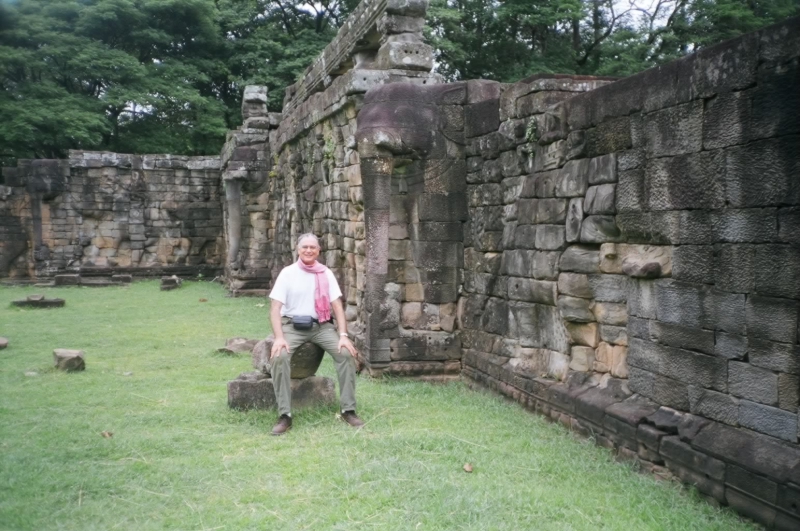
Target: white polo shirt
point(295, 289)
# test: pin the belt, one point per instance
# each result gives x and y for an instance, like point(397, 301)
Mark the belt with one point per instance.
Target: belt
point(286, 319)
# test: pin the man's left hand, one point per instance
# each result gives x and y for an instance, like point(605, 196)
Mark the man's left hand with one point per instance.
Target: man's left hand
point(344, 342)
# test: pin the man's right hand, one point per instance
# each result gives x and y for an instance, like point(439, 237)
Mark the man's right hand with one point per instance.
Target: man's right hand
point(275, 321)
point(279, 344)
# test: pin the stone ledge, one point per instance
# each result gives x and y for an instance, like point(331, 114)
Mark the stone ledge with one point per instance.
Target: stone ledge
point(701, 452)
point(321, 105)
point(100, 159)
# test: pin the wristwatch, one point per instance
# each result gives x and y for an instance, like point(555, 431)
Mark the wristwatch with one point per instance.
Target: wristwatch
point(343, 334)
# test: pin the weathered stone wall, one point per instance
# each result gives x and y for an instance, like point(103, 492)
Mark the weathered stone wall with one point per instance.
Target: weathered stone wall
point(652, 234)
point(104, 213)
point(516, 303)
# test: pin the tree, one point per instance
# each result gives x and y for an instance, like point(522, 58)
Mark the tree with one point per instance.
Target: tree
point(146, 75)
point(507, 40)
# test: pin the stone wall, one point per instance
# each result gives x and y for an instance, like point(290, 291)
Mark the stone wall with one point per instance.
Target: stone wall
point(633, 265)
point(103, 213)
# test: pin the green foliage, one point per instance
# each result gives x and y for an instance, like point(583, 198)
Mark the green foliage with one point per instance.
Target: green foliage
point(508, 40)
point(180, 459)
point(146, 76)
point(532, 131)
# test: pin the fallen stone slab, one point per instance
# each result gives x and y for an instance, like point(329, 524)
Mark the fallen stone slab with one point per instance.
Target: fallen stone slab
point(39, 301)
point(3, 343)
point(237, 345)
point(254, 390)
point(69, 360)
point(304, 363)
point(170, 283)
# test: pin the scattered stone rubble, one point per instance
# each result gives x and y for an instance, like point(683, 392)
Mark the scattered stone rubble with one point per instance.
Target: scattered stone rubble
point(75, 279)
point(237, 345)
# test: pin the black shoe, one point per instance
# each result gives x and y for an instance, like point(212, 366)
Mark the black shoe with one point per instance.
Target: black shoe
point(351, 418)
point(283, 425)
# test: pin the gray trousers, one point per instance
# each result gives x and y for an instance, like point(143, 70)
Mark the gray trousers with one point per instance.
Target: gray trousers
point(326, 336)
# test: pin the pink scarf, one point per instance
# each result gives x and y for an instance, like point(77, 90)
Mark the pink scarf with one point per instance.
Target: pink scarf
point(322, 301)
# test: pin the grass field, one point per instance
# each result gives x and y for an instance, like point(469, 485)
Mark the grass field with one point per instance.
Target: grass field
point(180, 459)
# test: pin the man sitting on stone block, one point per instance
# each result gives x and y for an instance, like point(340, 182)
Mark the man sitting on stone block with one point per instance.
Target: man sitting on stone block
point(302, 298)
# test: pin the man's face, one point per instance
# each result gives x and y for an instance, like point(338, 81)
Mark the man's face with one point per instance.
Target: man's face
point(308, 250)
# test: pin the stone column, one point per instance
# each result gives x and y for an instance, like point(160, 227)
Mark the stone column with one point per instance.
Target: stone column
point(376, 176)
point(245, 164)
point(233, 223)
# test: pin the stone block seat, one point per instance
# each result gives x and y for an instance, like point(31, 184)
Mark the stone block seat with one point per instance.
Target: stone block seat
point(254, 390)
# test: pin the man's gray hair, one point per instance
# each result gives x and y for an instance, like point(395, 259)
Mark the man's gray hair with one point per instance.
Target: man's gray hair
point(308, 235)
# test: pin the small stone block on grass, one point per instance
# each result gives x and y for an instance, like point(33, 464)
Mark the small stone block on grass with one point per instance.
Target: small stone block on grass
point(3, 343)
point(170, 283)
point(69, 360)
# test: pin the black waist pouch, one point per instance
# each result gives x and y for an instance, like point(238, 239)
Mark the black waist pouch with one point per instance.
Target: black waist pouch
point(303, 322)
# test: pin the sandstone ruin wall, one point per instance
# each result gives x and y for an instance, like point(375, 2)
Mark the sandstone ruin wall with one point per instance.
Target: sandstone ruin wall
point(106, 213)
point(644, 237)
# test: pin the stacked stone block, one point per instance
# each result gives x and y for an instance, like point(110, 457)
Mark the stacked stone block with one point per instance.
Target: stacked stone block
point(247, 164)
point(534, 294)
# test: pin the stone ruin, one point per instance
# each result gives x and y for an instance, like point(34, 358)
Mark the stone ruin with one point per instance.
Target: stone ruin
point(622, 256)
point(103, 214)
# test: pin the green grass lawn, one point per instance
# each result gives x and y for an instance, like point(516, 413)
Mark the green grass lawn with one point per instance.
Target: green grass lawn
point(180, 459)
